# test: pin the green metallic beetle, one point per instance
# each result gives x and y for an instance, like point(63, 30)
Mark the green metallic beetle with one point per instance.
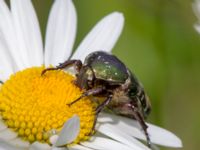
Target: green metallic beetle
point(103, 74)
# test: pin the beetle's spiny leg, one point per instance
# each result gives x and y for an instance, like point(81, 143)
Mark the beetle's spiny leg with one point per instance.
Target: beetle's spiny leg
point(102, 105)
point(94, 91)
point(93, 126)
point(77, 64)
point(1, 82)
point(98, 110)
point(140, 119)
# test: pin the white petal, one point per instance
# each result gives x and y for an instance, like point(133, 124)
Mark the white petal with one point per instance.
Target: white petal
point(99, 143)
point(154, 147)
point(4, 145)
point(69, 132)
point(8, 38)
point(59, 148)
point(102, 37)
point(196, 8)
point(53, 139)
point(163, 137)
point(27, 31)
point(39, 146)
point(79, 147)
point(197, 27)
point(2, 125)
point(157, 135)
point(7, 134)
point(6, 68)
point(121, 136)
point(61, 31)
point(19, 143)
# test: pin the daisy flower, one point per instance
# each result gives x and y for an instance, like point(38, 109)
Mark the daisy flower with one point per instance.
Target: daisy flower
point(33, 109)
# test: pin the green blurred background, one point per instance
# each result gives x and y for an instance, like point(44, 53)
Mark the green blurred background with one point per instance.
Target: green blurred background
point(161, 46)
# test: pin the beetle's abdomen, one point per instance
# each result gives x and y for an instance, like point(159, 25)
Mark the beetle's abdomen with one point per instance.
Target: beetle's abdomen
point(107, 67)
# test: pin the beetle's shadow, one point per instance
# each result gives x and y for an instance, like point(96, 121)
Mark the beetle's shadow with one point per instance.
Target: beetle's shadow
point(1, 82)
point(109, 117)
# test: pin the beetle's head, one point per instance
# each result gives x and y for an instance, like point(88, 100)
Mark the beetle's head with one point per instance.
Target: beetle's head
point(84, 78)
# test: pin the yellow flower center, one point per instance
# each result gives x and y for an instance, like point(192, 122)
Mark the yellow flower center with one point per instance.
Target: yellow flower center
point(33, 105)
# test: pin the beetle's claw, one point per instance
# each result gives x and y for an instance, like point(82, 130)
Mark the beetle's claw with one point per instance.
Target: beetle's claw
point(92, 132)
point(69, 104)
point(43, 72)
point(48, 69)
point(148, 142)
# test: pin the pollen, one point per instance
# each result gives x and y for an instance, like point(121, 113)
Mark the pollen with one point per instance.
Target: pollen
point(36, 107)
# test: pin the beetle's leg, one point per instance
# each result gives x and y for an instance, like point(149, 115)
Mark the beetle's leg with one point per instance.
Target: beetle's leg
point(101, 107)
point(103, 104)
point(94, 91)
point(141, 121)
point(77, 64)
point(98, 110)
point(1, 82)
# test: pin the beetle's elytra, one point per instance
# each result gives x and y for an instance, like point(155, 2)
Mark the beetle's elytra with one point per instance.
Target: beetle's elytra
point(103, 74)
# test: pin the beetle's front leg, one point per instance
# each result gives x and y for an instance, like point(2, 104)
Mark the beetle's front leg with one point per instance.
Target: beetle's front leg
point(1, 82)
point(93, 91)
point(77, 64)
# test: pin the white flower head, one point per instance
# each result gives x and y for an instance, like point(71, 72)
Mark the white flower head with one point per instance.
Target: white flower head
point(41, 125)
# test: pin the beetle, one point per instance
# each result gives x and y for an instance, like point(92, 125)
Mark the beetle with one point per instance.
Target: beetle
point(103, 74)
